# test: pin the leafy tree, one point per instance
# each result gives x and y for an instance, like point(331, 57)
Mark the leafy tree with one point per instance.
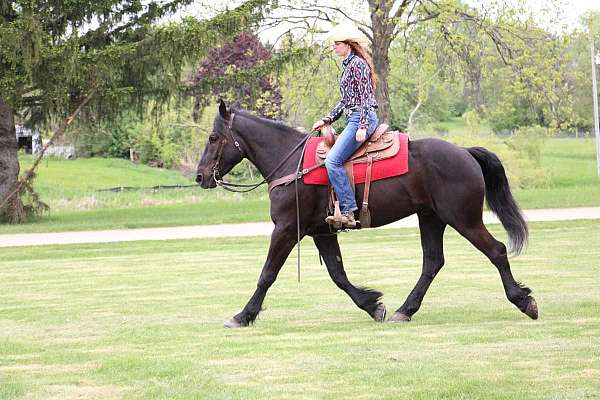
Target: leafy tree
point(244, 52)
point(392, 20)
point(308, 86)
point(112, 54)
point(425, 82)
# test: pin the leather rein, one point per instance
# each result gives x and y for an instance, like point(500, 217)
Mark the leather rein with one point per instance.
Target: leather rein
point(234, 187)
point(243, 188)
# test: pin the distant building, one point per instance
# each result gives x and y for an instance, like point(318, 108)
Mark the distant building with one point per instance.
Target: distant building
point(31, 141)
point(28, 140)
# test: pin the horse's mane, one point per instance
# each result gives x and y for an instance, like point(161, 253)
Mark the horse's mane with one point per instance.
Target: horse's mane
point(279, 125)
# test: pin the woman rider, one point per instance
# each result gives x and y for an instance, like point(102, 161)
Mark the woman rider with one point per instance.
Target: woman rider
point(357, 86)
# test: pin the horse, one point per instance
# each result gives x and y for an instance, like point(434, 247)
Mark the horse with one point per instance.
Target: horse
point(445, 185)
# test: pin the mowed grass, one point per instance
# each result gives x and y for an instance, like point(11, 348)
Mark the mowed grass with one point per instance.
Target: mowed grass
point(572, 169)
point(70, 188)
point(143, 320)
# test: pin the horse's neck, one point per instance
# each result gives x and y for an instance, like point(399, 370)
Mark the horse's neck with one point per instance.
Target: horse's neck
point(268, 145)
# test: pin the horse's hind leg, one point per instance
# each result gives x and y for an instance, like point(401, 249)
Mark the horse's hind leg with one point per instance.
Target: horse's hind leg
point(516, 293)
point(432, 234)
point(366, 299)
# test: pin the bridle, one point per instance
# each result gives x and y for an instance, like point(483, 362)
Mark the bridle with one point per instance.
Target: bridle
point(240, 187)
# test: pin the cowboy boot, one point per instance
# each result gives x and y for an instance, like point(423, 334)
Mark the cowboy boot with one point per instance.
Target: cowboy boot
point(344, 220)
point(348, 220)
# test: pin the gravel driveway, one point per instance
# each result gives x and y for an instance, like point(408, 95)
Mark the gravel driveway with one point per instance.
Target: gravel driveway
point(250, 229)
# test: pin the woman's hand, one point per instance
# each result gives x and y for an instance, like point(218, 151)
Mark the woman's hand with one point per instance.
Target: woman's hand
point(361, 134)
point(318, 125)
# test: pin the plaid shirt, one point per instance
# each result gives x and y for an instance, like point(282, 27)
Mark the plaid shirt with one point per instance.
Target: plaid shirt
point(357, 90)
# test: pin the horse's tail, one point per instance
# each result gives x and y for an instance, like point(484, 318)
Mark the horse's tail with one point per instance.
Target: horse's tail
point(500, 199)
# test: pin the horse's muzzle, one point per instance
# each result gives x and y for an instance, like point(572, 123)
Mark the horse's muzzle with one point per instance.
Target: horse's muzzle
point(205, 182)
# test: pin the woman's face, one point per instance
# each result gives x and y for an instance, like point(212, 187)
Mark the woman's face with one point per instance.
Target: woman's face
point(341, 49)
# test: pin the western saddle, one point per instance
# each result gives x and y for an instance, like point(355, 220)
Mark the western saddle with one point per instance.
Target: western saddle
point(381, 145)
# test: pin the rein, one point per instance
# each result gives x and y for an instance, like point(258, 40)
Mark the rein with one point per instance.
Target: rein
point(234, 187)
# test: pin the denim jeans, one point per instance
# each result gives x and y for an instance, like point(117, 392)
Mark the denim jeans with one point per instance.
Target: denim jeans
point(343, 148)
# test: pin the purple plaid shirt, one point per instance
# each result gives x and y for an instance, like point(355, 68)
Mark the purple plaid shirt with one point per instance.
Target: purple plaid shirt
point(357, 90)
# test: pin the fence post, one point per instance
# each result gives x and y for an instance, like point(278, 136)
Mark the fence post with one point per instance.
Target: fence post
point(595, 60)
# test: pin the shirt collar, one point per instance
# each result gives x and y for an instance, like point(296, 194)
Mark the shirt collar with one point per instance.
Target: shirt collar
point(348, 59)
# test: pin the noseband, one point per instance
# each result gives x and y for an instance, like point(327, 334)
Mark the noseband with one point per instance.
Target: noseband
point(216, 173)
point(239, 187)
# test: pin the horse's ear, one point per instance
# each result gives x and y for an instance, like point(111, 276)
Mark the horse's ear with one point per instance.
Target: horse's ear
point(223, 110)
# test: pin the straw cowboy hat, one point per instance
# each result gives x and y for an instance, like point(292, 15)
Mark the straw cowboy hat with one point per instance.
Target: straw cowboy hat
point(347, 33)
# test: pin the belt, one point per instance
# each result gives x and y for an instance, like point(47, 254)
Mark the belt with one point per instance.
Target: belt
point(349, 110)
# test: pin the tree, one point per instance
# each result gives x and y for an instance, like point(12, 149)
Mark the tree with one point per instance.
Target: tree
point(53, 55)
point(390, 20)
point(244, 52)
point(9, 165)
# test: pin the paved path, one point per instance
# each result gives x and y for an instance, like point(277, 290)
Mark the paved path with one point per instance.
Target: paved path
point(250, 229)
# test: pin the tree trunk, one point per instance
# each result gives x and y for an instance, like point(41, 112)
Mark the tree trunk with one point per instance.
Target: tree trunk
point(11, 209)
point(383, 29)
point(381, 63)
point(411, 116)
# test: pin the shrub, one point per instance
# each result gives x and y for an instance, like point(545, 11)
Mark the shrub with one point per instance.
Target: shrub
point(522, 171)
point(440, 130)
point(107, 139)
point(529, 141)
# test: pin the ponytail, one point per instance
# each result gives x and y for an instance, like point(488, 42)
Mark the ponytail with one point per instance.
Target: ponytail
point(362, 53)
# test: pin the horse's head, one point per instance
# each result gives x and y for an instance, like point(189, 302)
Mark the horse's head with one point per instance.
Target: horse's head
point(222, 151)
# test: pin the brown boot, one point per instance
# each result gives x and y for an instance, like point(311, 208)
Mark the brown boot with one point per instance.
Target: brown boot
point(348, 220)
point(343, 221)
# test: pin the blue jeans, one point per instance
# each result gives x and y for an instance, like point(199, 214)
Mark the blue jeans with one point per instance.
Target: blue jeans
point(343, 148)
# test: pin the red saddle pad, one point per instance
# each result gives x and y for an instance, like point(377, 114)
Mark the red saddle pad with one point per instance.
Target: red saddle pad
point(393, 166)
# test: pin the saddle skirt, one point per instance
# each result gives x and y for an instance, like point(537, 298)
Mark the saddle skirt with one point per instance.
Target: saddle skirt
point(388, 151)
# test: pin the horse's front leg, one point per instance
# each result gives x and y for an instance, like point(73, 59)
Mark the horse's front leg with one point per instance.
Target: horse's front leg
point(282, 243)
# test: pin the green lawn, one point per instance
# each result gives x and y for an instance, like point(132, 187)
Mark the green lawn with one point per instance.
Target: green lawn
point(574, 181)
point(143, 320)
point(454, 126)
point(70, 188)
point(205, 212)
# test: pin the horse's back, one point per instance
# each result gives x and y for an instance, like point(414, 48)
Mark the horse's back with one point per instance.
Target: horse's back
point(450, 175)
point(442, 178)
point(445, 163)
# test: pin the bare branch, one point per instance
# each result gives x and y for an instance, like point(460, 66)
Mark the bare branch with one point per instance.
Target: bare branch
point(424, 19)
point(402, 8)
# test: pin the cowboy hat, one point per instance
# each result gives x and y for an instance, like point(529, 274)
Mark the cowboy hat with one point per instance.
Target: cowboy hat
point(347, 33)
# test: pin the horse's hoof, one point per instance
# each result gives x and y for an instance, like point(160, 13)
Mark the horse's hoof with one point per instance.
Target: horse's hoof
point(233, 323)
point(379, 314)
point(399, 317)
point(532, 309)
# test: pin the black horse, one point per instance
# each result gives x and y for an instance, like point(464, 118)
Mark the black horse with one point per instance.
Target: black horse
point(445, 186)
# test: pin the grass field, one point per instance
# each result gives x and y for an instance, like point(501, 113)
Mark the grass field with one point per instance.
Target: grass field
point(70, 189)
point(574, 181)
point(143, 320)
point(454, 126)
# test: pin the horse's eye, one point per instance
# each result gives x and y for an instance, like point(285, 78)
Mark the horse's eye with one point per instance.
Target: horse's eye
point(213, 138)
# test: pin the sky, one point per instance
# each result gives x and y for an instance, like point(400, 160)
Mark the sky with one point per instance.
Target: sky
point(574, 9)
point(570, 11)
